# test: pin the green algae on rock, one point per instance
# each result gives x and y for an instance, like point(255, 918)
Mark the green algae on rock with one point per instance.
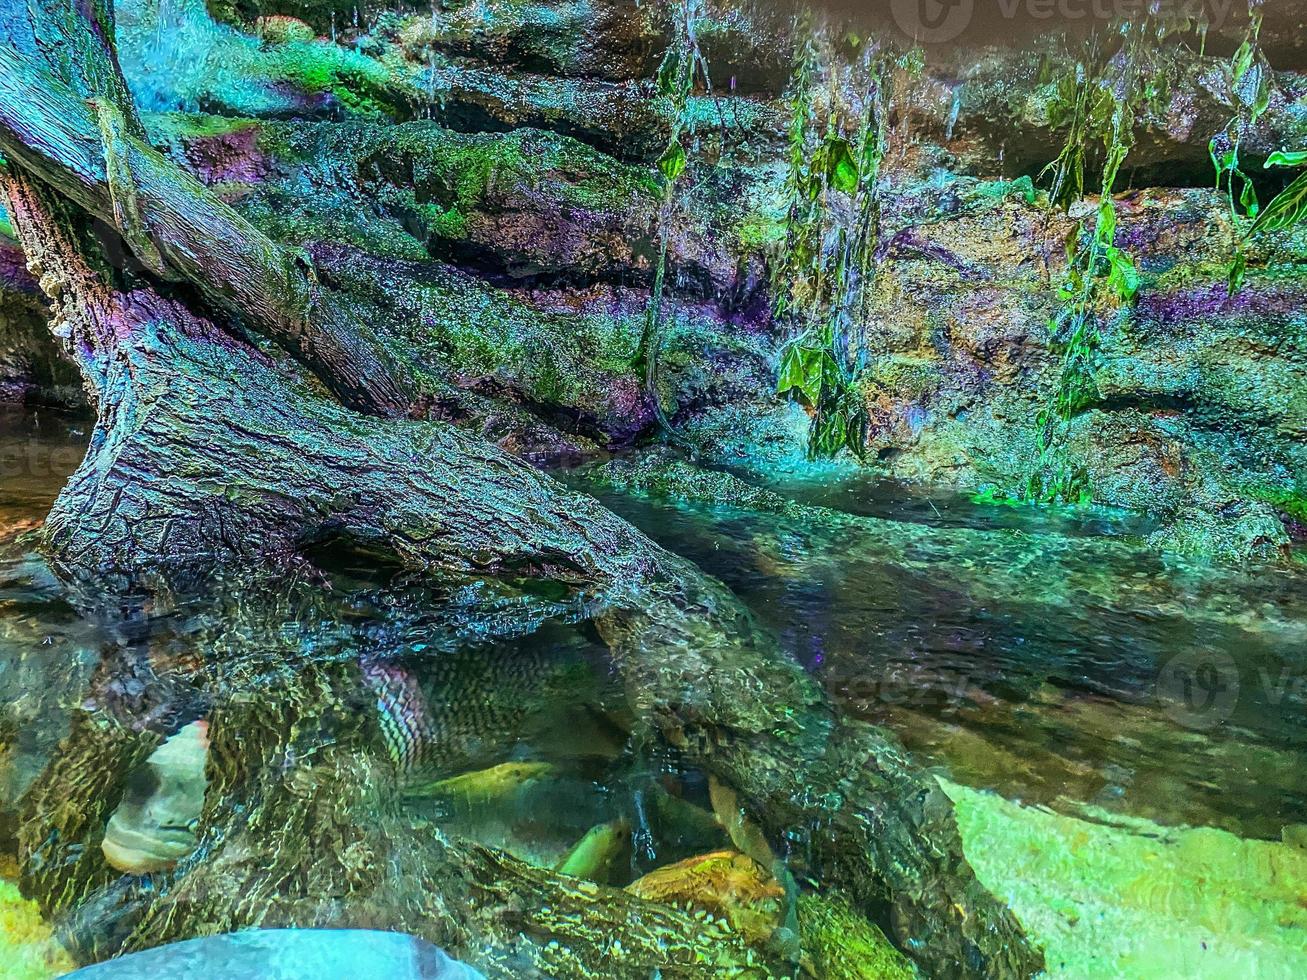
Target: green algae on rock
point(28, 948)
point(964, 287)
point(1113, 898)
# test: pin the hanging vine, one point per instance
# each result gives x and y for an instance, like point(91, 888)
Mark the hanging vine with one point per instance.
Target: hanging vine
point(821, 278)
point(1250, 86)
point(1097, 106)
point(682, 67)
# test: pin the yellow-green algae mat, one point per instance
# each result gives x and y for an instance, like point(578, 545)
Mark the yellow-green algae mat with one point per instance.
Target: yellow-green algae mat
point(1127, 898)
point(1134, 899)
point(28, 950)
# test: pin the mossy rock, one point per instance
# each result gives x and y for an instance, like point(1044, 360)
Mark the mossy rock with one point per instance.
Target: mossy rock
point(840, 944)
point(1113, 896)
point(837, 942)
point(28, 949)
point(1245, 531)
point(905, 375)
point(280, 29)
point(725, 884)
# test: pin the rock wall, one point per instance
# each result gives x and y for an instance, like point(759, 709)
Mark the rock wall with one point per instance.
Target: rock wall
point(482, 178)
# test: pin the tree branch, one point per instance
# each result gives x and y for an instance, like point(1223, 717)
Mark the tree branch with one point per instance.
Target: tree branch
point(52, 133)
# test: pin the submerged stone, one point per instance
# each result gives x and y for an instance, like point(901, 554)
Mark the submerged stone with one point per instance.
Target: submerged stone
point(28, 949)
point(837, 943)
point(1110, 896)
point(724, 883)
point(288, 954)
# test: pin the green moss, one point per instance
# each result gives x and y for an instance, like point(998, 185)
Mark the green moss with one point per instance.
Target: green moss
point(28, 948)
point(445, 178)
point(759, 232)
point(1295, 505)
point(330, 217)
point(1289, 501)
point(579, 176)
point(191, 61)
point(477, 331)
point(360, 84)
point(187, 125)
point(461, 173)
point(845, 946)
point(1115, 898)
point(904, 375)
point(1022, 187)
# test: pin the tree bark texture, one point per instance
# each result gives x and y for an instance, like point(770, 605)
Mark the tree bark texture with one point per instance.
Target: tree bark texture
point(210, 453)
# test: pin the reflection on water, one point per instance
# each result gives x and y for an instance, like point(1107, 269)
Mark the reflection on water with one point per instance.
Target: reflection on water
point(357, 728)
point(1030, 662)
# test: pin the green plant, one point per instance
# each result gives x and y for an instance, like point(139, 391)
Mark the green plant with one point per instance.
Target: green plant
point(1097, 105)
point(682, 65)
point(1250, 86)
point(822, 276)
point(1289, 207)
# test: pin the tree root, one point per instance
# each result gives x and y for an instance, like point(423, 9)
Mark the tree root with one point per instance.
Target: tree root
point(212, 454)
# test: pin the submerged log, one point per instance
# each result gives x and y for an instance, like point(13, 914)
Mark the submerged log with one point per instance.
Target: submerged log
point(211, 453)
point(302, 826)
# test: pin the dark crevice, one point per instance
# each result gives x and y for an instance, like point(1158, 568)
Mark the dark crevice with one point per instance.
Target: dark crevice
point(1180, 172)
point(570, 421)
point(689, 282)
point(331, 547)
point(465, 116)
point(1198, 415)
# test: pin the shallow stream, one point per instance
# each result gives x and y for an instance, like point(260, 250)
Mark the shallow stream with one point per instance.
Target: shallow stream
point(1118, 696)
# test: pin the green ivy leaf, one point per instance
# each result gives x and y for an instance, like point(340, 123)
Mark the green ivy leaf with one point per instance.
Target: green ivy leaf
point(840, 166)
point(1122, 275)
point(1234, 278)
point(1105, 230)
point(802, 370)
point(668, 73)
point(672, 162)
point(1248, 196)
point(1242, 61)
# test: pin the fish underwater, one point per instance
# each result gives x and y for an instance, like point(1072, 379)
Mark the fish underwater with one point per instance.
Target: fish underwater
point(455, 726)
point(155, 824)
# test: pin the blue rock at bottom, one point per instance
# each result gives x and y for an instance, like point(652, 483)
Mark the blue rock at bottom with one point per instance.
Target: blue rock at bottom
point(287, 954)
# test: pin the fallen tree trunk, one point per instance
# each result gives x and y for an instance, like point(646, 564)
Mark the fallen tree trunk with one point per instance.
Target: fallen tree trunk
point(210, 454)
point(302, 827)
